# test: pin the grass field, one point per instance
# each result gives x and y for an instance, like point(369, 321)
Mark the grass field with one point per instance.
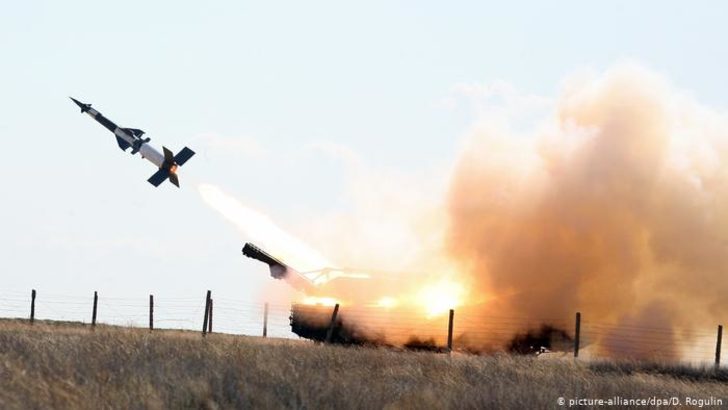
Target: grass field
point(70, 366)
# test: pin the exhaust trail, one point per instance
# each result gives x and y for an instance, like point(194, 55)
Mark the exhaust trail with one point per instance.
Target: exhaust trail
point(259, 228)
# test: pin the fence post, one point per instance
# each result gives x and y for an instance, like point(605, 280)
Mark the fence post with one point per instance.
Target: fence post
point(93, 314)
point(330, 332)
point(577, 334)
point(32, 306)
point(265, 320)
point(207, 312)
point(151, 312)
point(449, 330)
point(717, 346)
point(209, 323)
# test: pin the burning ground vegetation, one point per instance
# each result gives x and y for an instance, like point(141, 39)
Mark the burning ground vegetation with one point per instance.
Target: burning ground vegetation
point(608, 199)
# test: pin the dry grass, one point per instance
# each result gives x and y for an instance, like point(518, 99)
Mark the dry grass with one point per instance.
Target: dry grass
point(52, 366)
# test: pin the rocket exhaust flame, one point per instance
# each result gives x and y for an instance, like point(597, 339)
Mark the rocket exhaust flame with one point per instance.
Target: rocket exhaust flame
point(260, 228)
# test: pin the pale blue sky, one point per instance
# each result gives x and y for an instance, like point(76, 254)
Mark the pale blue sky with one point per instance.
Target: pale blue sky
point(251, 87)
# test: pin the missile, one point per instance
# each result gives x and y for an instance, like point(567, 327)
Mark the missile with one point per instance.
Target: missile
point(133, 138)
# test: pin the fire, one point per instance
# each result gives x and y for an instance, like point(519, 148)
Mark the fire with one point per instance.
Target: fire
point(439, 297)
point(319, 301)
point(617, 191)
point(387, 302)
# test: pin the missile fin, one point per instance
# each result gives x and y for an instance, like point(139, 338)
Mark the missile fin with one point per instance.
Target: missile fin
point(168, 156)
point(183, 156)
point(137, 133)
point(122, 144)
point(173, 179)
point(158, 177)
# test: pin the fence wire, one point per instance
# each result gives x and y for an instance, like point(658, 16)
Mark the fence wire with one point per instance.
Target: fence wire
point(233, 316)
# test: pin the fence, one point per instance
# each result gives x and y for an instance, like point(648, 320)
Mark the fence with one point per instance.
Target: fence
point(230, 315)
point(448, 331)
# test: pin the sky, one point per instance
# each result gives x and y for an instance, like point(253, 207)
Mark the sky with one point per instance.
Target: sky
point(278, 99)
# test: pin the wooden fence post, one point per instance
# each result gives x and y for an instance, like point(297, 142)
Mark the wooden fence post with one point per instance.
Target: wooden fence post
point(577, 334)
point(151, 312)
point(32, 306)
point(332, 324)
point(207, 312)
point(209, 323)
point(93, 314)
point(717, 346)
point(265, 320)
point(449, 330)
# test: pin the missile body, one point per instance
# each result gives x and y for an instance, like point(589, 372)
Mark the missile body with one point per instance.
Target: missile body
point(132, 138)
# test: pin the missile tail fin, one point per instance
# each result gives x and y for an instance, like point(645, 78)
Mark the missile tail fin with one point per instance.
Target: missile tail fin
point(168, 156)
point(170, 165)
point(174, 179)
point(183, 156)
point(158, 177)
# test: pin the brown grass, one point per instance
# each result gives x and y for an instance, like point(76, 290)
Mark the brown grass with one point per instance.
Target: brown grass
point(70, 366)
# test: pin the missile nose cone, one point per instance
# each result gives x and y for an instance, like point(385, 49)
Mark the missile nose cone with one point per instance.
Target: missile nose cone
point(84, 107)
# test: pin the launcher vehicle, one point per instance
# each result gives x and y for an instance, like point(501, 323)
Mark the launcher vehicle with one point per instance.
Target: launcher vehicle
point(311, 320)
point(378, 322)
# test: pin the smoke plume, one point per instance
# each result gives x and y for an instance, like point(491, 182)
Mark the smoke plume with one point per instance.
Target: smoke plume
point(615, 206)
point(610, 199)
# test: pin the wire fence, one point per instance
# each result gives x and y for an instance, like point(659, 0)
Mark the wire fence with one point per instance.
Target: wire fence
point(463, 330)
point(230, 315)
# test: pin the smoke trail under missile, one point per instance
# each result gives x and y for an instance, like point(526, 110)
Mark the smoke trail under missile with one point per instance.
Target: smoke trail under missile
point(260, 229)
